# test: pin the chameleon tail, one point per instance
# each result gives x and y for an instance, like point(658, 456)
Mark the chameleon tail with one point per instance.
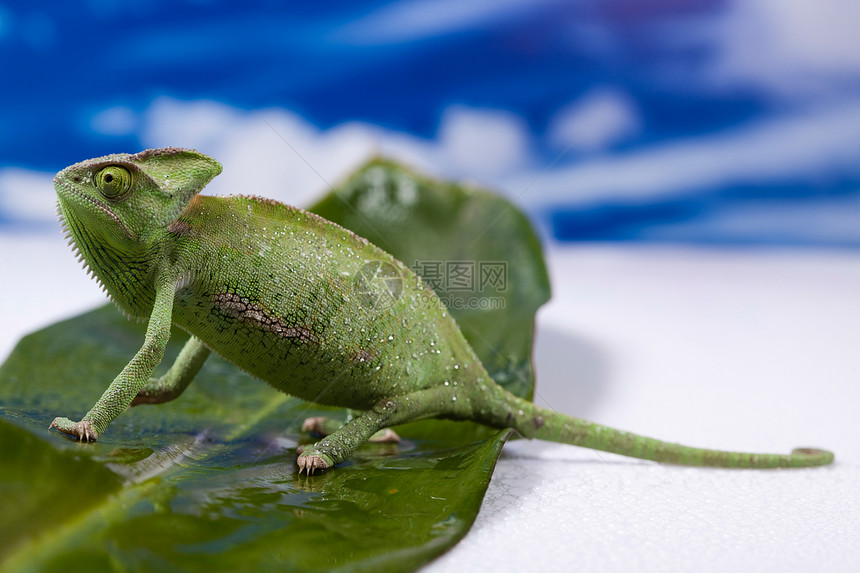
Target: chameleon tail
point(533, 421)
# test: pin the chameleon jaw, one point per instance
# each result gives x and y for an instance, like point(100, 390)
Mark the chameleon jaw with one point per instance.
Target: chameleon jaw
point(70, 190)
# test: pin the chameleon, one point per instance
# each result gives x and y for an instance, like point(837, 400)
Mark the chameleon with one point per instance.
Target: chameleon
point(270, 288)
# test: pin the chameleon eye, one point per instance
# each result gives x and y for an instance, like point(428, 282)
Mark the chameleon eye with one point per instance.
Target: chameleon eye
point(113, 181)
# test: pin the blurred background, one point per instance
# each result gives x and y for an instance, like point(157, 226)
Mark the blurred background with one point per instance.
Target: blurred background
point(682, 121)
point(720, 139)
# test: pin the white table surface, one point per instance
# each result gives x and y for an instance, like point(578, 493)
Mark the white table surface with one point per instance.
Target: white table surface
point(733, 349)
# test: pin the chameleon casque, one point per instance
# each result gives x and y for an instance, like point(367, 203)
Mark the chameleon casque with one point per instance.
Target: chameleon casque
point(269, 287)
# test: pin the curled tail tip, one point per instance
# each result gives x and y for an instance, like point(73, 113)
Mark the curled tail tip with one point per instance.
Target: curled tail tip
point(813, 456)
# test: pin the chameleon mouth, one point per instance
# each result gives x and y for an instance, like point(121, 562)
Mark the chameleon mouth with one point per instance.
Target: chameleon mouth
point(71, 191)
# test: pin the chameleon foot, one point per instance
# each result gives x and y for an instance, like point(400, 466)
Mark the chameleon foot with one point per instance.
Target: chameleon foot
point(385, 436)
point(320, 425)
point(323, 426)
point(311, 461)
point(82, 430)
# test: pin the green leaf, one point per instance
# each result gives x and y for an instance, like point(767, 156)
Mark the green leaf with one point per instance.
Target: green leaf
point(209, 482)
point(446, 232)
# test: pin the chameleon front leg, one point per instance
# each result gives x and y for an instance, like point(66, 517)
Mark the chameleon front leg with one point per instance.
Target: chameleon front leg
point(177, 379)
point(340, 445)
point(133, 377)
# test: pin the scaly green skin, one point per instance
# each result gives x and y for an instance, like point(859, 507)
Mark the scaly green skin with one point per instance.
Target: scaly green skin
point(273, 289)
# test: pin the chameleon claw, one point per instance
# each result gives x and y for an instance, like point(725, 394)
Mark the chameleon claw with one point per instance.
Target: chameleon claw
point(82, 430)
point(326, 426)
point(314, 424)
point(309, 463)
point(385, 436)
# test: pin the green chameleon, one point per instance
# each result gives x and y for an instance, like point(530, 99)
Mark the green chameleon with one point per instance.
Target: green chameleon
point(271, 289)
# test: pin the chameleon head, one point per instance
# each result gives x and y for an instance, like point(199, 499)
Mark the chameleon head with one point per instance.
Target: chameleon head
point(123, 197)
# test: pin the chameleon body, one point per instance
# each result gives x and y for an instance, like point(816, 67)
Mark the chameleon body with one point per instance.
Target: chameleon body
point(273, 289)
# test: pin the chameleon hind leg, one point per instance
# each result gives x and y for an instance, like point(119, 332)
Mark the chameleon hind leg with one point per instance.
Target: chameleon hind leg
point(177, 379)
point(340, 444)
point(324, 426)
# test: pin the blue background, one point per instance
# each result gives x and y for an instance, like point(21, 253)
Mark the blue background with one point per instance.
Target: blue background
point(686, 74)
